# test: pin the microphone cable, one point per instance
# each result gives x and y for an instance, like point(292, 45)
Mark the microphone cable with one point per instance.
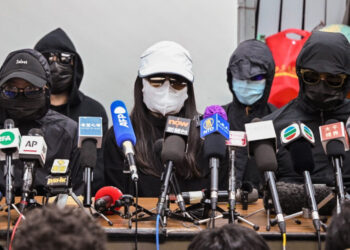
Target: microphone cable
point(157, 231)
point(14, 230)
point(319, 239)
point(284, 241)
point(136, 211)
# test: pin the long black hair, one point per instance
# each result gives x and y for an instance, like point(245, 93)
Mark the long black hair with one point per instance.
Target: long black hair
point(147, 133)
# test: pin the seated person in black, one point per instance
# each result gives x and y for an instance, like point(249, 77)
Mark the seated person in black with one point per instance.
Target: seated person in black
point(164, 86)
point(25, 83)
point(323, 69)
point(250, 74)
point(67, 71)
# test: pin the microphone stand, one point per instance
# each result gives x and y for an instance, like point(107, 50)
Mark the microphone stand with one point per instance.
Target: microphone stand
point(233, 215)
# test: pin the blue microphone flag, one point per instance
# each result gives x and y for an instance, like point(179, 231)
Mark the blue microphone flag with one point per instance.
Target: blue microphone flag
point(123, 129)
point(215, 123)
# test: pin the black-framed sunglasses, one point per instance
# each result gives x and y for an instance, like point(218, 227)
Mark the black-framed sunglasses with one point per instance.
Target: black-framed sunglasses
point(62, 57)
point(176, 82)
point(311, 77)
point(12, 92)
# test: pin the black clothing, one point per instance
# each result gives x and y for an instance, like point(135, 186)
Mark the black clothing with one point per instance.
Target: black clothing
point(251, 58)
point(78, 103)
point(149, 185)
point(60, 134)
point(323, 52)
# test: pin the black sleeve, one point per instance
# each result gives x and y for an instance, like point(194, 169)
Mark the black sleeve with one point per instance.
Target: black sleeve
point(114, 163)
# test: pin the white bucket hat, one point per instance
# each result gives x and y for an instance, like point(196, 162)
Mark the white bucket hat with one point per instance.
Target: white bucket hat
point(166, 57)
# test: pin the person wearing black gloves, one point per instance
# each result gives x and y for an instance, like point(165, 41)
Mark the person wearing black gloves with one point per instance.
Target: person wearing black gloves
point(249, 76)
point(164, 86)
point(67, 72)
point(25, 84)
point(323, 69)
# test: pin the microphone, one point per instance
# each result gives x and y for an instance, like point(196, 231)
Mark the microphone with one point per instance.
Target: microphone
point(215, 129)
point(335, 142)
point(58, 181)
point(194, 197)
point(124, 135)
point(298, 138)
point(89, 139)
point(32, 152)
point(261, 138)
point(9, 145)
point(236, 139)
point(105, 199)
point(173, 153)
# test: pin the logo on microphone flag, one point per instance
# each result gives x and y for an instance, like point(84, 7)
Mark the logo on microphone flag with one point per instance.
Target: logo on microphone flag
point(307, 132)
point(7, 138)
point(290, 133)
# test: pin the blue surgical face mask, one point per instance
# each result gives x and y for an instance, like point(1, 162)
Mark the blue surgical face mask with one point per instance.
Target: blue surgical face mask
point(247, 91)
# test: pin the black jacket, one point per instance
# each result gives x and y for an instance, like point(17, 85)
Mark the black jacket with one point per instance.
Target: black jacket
point(60, 134)
point(323, 52)
point(149, 185)
point(78, 103)
point(251, 58)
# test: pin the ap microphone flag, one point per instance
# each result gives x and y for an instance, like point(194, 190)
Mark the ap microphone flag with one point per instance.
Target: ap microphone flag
point(123, 129)
point(33, 147)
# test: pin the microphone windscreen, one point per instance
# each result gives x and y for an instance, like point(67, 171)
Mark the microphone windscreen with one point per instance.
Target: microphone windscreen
point(293, 198)
point(9, 123)
point(215, 109)
point(158, 146)
point(36, 132)
point(88, 153)
point(330, 121)
point(301, 155)
point(214, 146)
point(335, 148)
point(265, 156)
point(111, 191)
point(256, 119)
point(173, 149)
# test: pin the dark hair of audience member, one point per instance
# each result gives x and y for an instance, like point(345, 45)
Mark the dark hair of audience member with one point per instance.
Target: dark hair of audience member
point(338, 232)
point(51, 228)
point(228, 237)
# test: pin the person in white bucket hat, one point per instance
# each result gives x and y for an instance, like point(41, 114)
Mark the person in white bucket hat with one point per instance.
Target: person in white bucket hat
point(163, 87)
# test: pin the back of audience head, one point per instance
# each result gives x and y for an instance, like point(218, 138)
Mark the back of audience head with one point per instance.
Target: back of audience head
point(228, 237)
point(338, 232)
point(51, 228)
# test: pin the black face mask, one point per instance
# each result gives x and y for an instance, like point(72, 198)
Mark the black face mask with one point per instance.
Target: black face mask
point(324, 97)
point(22, 108)
point(62, 77)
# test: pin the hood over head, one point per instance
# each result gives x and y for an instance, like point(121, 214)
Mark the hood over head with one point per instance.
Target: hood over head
point(252, 58)
point(58, 41)
point(325, 52)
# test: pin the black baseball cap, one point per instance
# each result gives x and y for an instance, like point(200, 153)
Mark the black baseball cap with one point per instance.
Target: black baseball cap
point(28, 65)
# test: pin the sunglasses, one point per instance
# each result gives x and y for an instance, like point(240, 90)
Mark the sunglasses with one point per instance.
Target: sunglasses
point(12, 92)
point(311, 77)
point(63, 58)
point(177, 83)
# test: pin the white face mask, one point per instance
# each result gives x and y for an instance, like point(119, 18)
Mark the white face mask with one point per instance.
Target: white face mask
point(164, 99)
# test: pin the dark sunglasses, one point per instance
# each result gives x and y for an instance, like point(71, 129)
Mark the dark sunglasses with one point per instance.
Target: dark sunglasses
point(63, 58)
point(311, 77)
point(12, 92)
point(177, 83)
point(257, 78)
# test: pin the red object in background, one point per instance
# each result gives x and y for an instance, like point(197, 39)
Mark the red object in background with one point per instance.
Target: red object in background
point(285, 51)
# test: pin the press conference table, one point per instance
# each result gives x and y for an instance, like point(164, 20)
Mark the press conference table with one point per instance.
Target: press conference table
point(178, 234)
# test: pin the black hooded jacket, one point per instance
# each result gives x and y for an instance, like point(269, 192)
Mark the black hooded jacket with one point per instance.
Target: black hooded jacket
point(251, 58)
point(323, 52)
point(78, 103)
